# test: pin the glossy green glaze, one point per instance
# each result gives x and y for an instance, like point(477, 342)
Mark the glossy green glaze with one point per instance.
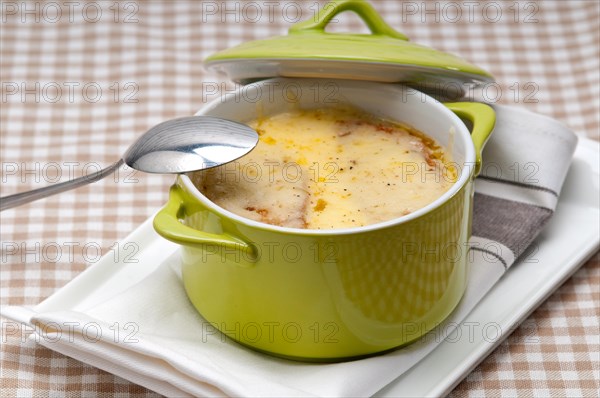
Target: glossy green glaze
point(330, 294)
point(321, 297)
point(308, 40)
point(483, 119)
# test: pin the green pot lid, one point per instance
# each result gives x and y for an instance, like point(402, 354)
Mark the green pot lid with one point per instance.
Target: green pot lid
point(385, 55)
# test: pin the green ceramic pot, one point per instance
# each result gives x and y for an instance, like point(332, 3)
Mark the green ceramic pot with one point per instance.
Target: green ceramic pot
point(336, 294)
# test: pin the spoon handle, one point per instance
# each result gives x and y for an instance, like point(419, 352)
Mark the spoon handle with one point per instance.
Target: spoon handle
point(18, 199)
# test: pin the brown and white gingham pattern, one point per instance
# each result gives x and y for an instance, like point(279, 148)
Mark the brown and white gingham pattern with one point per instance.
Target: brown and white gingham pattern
point(146, 58)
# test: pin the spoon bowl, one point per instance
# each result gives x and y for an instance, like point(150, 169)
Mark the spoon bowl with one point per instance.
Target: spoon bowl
point(190, 144)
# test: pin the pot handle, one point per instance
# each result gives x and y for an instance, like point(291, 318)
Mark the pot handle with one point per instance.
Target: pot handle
point(483, 118)
point(361, 7)
point(168, 225)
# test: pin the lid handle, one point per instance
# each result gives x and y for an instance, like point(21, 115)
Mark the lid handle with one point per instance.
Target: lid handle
point(361, 7)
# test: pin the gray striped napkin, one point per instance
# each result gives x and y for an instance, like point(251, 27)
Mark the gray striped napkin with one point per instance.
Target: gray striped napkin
point(526, 162)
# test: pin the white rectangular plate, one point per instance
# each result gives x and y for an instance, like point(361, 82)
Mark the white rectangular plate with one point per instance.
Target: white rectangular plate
point(571, 237)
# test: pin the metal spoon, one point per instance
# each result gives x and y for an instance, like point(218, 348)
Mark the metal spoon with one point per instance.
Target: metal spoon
point(172, 147)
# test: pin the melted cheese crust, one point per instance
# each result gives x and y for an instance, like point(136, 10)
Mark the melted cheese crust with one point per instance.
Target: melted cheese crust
point(330, 168)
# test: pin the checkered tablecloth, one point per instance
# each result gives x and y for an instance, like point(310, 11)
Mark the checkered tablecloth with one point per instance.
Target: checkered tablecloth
point(81, 79)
